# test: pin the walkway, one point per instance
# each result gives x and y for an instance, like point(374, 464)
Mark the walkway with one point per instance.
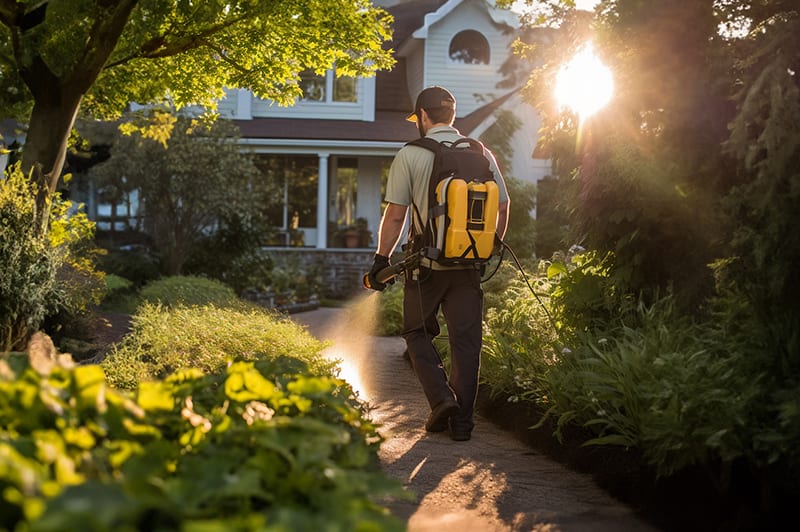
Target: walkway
point(490, 483)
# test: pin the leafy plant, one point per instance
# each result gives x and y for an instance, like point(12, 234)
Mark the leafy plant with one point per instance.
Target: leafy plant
point(164, 340)
point(519, 343)
point(266, 443)
point(659, 385)
point(390, 311)
point(138, 264)
point(28, 286)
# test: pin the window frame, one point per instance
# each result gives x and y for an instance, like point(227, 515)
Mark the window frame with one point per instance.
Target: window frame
point(329, 91)
point(484, 42)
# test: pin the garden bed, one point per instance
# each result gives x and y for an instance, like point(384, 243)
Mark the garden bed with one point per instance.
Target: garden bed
point(688, 500)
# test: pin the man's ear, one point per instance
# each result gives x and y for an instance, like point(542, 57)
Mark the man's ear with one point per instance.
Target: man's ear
point(423, 114)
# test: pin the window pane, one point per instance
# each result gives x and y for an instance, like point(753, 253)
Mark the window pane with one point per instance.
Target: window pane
point(296, 178)
point(313, 86)
point(344, 89)
point(469, 47)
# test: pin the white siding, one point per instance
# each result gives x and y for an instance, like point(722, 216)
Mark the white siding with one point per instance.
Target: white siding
point(362, 109)
point(523, 165)
point(227, 106)
point(317, 110)
point(463, 80)
point(415, 70)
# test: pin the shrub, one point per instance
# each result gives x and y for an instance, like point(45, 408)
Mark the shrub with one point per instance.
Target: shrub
point(250, 270)
point(659, 385)
point(116, 285)
point(187, 290)
point(164, 340)
point(232, 254)
point(268, 444)
point(135, 263)
point(28, 284)
point(519, 343)
point(390, 311)
point(293, 278)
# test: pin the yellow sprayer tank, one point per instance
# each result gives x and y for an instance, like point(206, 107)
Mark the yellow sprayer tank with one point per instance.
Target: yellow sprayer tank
point(465, 231)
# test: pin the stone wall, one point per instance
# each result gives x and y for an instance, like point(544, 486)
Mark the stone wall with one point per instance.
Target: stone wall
point(341, 269)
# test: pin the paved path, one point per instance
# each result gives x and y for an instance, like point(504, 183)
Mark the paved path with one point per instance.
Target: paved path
point(490, 483)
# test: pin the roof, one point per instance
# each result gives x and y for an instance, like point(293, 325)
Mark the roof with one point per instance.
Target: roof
point(409, 17)
point(389, 126)
point(498, 16)
point(392, 99)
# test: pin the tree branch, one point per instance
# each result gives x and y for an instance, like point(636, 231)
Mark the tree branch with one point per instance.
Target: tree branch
point(160, 46)
point(101, 44)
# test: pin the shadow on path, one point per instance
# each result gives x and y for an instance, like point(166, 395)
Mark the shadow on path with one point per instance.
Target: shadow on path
point(491, 483)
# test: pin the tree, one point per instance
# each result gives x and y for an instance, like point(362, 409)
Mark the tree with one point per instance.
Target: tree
point(62, 57)
point(643, 176)
point(191, 183)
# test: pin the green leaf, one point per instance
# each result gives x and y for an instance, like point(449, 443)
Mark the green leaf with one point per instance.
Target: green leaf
point(555, 269)
point(155, 396)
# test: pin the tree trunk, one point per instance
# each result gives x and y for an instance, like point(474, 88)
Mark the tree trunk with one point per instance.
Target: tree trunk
point(46, 146)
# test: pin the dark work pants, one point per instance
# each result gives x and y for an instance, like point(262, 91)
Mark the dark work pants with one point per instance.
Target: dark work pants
point(459, 295)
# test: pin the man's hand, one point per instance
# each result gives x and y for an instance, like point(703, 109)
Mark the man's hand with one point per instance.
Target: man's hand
point(378, 264)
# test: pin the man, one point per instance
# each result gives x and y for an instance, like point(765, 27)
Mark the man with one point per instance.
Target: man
point(456, 290)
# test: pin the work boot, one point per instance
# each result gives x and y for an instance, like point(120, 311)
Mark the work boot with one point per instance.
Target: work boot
point(439, 417)
point(460, 431)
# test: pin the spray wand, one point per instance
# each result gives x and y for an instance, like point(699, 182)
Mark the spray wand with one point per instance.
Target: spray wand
point(389, 272)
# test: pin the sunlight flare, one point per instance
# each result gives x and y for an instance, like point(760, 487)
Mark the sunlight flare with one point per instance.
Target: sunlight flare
point(584, 84)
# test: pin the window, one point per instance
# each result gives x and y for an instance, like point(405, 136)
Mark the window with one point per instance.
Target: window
point(344, 89)
point(297, 178)
point(328, 88)
point(313, 86)
point(469, 47)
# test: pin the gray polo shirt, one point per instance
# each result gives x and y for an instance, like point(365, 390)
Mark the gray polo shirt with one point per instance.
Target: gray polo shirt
point(409, 175)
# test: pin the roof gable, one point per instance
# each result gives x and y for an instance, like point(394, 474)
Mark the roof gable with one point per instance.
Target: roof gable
point(498, 16)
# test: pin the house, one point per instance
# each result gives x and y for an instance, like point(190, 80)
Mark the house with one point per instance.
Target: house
point(332, 149)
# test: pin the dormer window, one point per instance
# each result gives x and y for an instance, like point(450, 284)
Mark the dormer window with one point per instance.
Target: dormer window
point(469, 47)
point(328, 88)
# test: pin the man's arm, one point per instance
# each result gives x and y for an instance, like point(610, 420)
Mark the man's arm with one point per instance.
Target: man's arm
point(394, 218)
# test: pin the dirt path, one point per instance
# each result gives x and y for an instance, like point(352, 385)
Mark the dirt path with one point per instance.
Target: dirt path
point(490, 483)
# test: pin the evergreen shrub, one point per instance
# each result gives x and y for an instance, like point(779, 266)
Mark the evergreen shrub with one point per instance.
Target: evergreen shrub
point(187, 290)
point(166, 339)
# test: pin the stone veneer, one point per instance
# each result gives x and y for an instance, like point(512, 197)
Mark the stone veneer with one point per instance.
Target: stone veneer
point(342, 270)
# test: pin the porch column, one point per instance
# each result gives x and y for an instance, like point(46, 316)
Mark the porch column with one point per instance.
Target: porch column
point(322, 202)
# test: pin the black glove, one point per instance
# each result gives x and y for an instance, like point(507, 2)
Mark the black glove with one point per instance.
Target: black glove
point(378, 264)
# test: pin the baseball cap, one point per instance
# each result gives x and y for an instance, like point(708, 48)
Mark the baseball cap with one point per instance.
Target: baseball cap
point(432, 98)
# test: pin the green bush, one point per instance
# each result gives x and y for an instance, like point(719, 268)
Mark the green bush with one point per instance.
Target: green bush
point(233, 254)
point(390, 311)
point(261, 445)
point(519, 343)
point(662, 385)
point(136, 263)
point(28, 284)
point(164, 340)
point(187, 290)
point(291, 276)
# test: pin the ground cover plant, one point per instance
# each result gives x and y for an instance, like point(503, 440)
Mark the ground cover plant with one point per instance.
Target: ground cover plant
point(215, 415)
point(262, 445)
